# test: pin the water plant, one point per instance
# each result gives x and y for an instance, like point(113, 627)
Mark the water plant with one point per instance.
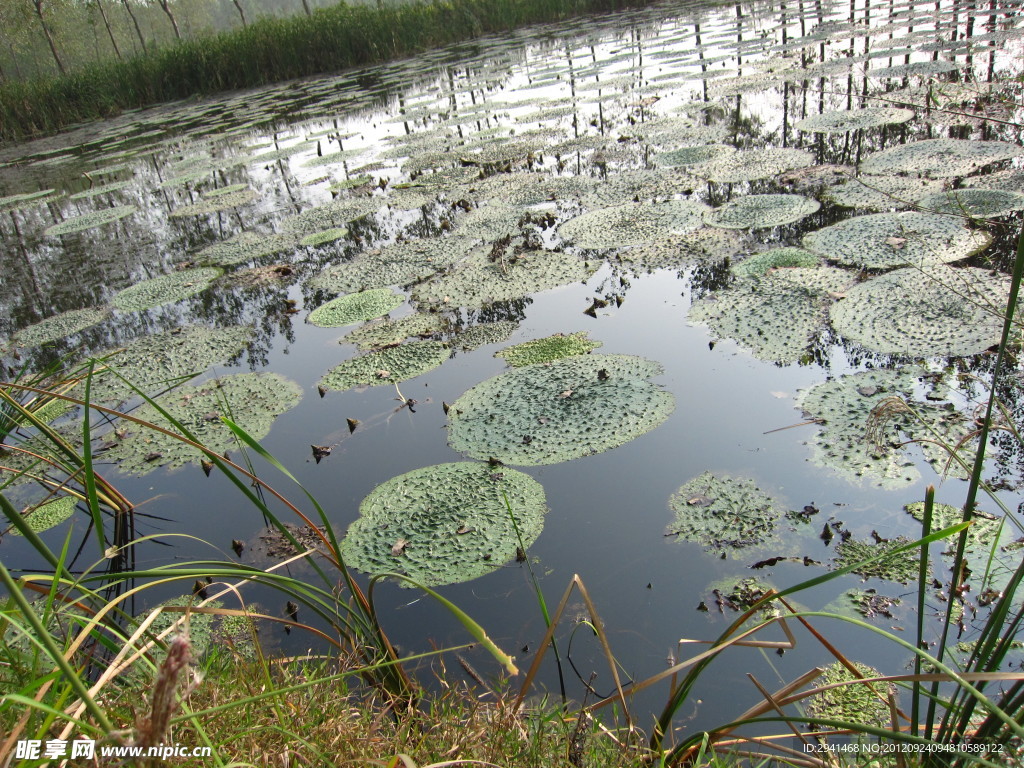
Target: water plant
point(761, 211)
point(90, 220)
point(548, 349)
point(355, 307)
point(165, 289)
point(244, 247)
point(632, 224)
point(58, 326)
point(723, 513)
point(387, 366)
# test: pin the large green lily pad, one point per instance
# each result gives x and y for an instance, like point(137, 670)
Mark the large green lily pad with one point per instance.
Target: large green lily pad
point(723, 513)
point(843, 121)
point(754, 164)
point(548, 349)
point(761, 211)
point(387, 366)
point(244, 247)
point(940, 158)
point(879, 193)
point(251, 400)
point(632, 224)
point(546, 414)
point(447, 523)
point(974, 203)
point(49, 514)
point(388, 332)
point(355, 307)
point(936, 311)
point(165, 289)
point(886, 240)
point(59, 326)
point(90, 220)
point(216, 203)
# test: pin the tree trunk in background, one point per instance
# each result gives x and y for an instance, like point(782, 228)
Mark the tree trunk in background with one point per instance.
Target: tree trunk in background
point(167, 9)
point(305, 6)
point(135, 22)
point(49, 36)
point(110, 32)
point(241, 13)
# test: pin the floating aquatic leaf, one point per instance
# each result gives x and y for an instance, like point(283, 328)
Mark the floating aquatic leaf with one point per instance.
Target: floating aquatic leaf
point(547, 349)
point(761, 211)
point(216, 203)
point(165, 289)
point(230, 189)
point(859, 703)
point(490, 222)
point(974, 202)
point(386, 366)
point(545, 414)
point(643, 186)
point(388, 332)
point(251, 400)
point(864, 429)
point(90, 220)
point(327, 236)
point(355, 307)
point(924, 239)
point(916, 68)
point(723, 512)
point(339, 213)
point(17, 202)
point(761, 263)
point(477, 280)
point(59, 326)
point(244, 247)
point(103, 189)
point(632, 224)
point(879, 193)
point(704, 244)
point(940, 158)
point(49, 514)
point(981, 535)
point(842, 121)
point(1011, 179)
point(445, 524)
point(693, 155)
point(485, 333)
point(903, 568)
point(754, 164)
point(399, 264)
point(936, 311)
point(161, 358)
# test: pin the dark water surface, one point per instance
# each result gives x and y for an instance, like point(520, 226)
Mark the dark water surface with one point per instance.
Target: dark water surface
point(592, 82)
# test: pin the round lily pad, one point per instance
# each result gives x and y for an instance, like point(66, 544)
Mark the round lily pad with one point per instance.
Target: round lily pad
point(974, 203)
point(355, 307)
point(723, 513)
point(632, 224)
point(16, 202)
point(761, 263)
point(693, 155)
point(701, 245)
point(903, 568)
point(480, 334)
point(879, 193)
point(245, 247)
point(387, 366)
point(981, 535)
point(940, 158)
point(165, 289)
point(388, 332)
point(886, 240)
point(49, 514)
point(331, 215)
point(251, 400)
point(59, 326)
point(327, 236)
point(546, 414)
point(547, 349)
point(937, 311)
point(447, 523)
point(754, 164)
point(761, 211)
point(216, 203)
point(842, 121)
point(90, 220)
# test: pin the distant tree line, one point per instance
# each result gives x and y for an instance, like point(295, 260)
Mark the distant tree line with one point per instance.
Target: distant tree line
point(39, 38)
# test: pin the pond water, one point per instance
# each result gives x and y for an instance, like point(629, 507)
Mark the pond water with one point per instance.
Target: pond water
point(496, 145)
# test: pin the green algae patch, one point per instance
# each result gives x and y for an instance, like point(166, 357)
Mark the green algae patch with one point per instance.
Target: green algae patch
point(936, 311)
point(762, 263)
point(887, 240)
point(480, 334)
point(548, 349)
point(245, 247)
point(447, 523)
point(479, 279)
point(862, 703)
point(621, 226)
point(761, 211)
point(59, 326)
point(723, 513)
point(49, 514)
point(90, 220)
point(388, 332)
point(355, 307)
point(843, 121)
point(940, 158)
point(387, 366)
point(867, 419)
point(546, 414)
point(165, 289)
point(251, 400)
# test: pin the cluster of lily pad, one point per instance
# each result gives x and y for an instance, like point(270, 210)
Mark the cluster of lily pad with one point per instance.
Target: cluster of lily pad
point(723, 513)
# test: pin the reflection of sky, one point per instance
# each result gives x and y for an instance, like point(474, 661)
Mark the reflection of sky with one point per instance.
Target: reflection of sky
point(608, 512)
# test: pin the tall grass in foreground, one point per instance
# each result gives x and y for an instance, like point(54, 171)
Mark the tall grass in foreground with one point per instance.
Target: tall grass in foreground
point(268, 50)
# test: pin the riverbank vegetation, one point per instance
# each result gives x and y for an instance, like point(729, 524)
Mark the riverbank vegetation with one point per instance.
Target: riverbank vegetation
point(265, 51)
